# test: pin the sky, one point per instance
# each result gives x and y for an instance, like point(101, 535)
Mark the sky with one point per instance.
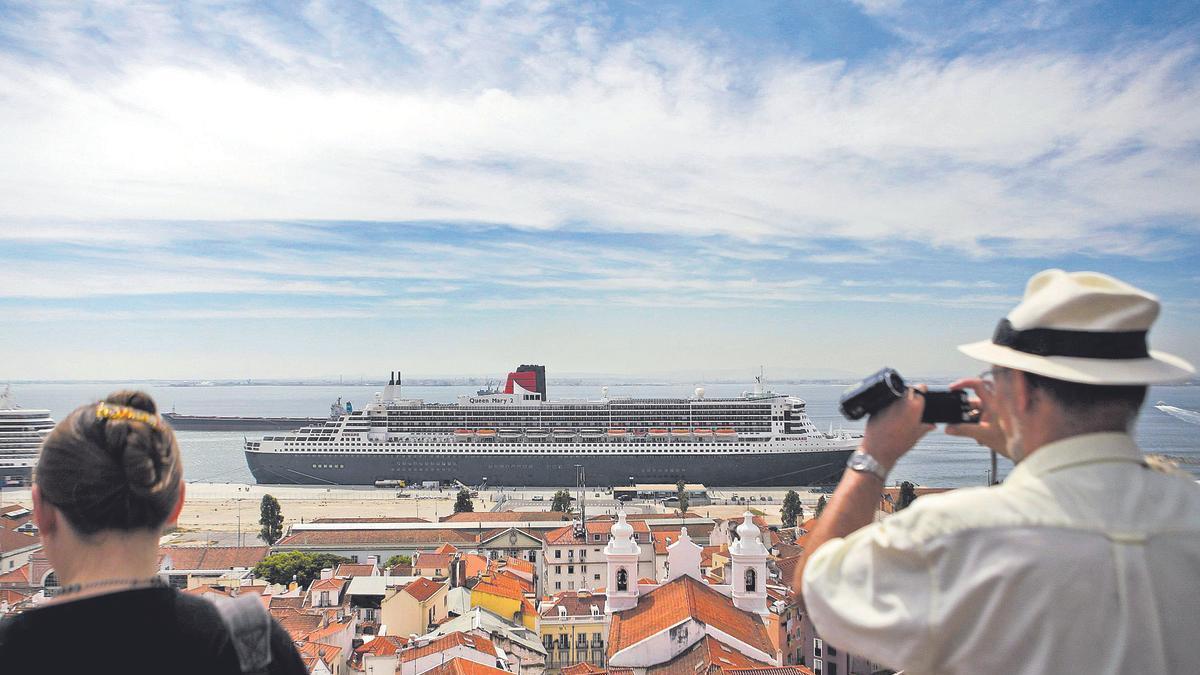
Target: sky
point(671, 189)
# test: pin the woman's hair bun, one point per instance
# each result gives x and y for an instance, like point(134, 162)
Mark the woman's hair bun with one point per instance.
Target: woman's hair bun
point(138, 400)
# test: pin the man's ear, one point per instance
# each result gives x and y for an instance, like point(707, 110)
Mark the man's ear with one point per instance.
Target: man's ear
point(1022, 394)
point(45, 516)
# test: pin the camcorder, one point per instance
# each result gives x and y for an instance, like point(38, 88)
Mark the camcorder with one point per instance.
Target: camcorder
point(886, 387)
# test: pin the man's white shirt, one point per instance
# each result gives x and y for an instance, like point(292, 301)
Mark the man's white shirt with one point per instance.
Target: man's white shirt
point(1083, 561)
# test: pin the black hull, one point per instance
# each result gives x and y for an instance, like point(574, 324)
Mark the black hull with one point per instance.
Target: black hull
point(215, 423)
point(731, 469)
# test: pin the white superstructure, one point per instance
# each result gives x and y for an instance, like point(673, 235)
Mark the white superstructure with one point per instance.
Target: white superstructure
point(21, 434)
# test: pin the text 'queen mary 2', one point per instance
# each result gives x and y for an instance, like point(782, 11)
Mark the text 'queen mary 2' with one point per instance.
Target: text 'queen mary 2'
point(517, 437)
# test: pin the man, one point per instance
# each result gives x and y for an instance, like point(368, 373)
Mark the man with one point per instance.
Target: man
point(1083, 561)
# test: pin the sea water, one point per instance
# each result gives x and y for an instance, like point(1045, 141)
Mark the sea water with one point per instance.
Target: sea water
point(938, 459)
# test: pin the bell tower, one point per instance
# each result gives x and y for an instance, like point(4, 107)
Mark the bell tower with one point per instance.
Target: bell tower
point(748, 562)
point(621, 554)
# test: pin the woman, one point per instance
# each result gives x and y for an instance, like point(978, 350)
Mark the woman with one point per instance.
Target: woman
point(108, 479)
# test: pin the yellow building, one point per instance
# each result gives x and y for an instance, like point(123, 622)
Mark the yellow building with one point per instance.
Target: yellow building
point(415, 607)
point(574, 629)
point(504, 594)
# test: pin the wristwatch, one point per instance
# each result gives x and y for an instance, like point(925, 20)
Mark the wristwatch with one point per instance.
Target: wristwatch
point(861, 461)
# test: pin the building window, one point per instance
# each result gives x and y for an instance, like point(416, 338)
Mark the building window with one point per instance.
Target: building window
point(817, 667)
point(570, 569)
point(558, 569)
point(831, 668)
point(558, 585)
point(751, 580)
point(558, 553)
point(622, 580)
point(817, 644)
point(596, 577)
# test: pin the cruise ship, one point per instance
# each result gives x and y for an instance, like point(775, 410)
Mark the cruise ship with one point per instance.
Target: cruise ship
point(518, 437)
point(21, 434)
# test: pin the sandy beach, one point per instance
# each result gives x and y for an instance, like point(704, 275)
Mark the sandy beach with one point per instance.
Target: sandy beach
point(216, 512)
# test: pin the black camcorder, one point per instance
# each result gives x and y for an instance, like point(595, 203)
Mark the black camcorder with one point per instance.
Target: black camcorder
point(886, 386)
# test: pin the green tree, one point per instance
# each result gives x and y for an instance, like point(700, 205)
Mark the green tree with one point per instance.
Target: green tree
point(398, 559)
point(464, 504)
point(792, 512)
point(271, 519)
point(562, 501)
point(681, 495)
point(279, 568)
point(820, 507)
point(908, 495)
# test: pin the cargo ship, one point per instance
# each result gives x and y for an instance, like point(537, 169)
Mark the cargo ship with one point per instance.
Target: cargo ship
point(519, 437)
point(238, 423)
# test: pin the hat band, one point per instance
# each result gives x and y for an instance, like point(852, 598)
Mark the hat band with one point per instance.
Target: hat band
point(1078, 343)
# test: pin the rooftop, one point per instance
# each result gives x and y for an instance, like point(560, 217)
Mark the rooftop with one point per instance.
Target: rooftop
point(449, 641)
point(214, 557)
point(460, 666)
point(678, 600)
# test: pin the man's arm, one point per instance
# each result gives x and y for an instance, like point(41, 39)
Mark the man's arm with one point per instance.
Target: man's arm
point(890, 433)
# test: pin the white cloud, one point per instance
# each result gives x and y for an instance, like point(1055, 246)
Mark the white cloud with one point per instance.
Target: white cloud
point(548, 129)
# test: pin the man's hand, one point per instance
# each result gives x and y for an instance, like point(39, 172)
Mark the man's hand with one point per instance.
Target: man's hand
point(987, 432)
point(893, 431)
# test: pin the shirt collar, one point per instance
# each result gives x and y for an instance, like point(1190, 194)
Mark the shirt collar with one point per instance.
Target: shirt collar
point(1076, 450)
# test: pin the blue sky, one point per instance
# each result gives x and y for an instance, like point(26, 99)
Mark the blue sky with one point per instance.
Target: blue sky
point(210, 190)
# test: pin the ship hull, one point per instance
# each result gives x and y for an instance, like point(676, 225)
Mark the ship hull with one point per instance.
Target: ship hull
point(215, 423)
point(725, 469)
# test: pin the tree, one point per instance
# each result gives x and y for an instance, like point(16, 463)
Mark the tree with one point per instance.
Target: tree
point(681, 495)
point(562, 501)
point(271, 519)
point(464, 504)
point(792, 512)
point(398, 559)
point(280, 568)
point(908, 495)
point(820, 507)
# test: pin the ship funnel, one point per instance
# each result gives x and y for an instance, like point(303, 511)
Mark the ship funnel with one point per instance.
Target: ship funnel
point(392, 378)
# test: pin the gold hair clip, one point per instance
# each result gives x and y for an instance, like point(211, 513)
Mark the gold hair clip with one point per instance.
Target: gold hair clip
point(121, 412)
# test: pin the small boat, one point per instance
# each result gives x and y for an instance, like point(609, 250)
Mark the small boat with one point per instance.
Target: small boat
point(591, 433)
point(702, 432)
point(658, 433)
point(726, 433)
point(680, 433)
point(536, 434)
point(562, 434)
point(638, 433)
point(510, 433)
point(463, 434)
point(616, 433)
point(486, 433)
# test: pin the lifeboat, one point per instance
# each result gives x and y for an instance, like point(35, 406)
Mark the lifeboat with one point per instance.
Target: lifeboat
point(616, 433)
point(591, 433)
point(681, 433)
point(563, 434)
point(510, 433)
point(658, 433)
point(486, 433)
point(726, 433)
point(536, 434)
point(463, 434)
point(702, 432)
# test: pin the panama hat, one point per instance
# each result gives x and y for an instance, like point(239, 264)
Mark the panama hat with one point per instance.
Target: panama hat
point(1081, 327)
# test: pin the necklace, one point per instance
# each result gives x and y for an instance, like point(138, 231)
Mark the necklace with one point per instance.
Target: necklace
point(129, 584)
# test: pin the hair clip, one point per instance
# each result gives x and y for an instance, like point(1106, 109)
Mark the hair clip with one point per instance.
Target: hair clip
point(121, 412)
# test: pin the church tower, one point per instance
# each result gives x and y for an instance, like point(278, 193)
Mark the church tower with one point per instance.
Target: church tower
point(622, 554)
point(748, 561)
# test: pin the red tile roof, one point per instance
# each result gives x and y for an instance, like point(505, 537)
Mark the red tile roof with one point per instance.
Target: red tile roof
point(326, 584)
point(445, 548)
point(355, 570)
point(448, 641)
point(11, 540)
point(205, 588)
point(461, 666)
point(768, 670)
point(214, 557)
point(674, 602)
point(287, 602)
point(422, 589)
point(16, 577)
point(577, 603)
point(383, 645)
point(325, 633)
point(385, 519)
point(518, 564)
point(344, 537)
point(425, 560)
point(329, 654)
point(297, 623)
point(707, 655)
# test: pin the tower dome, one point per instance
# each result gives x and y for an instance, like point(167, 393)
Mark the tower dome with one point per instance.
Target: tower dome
point(749, 537)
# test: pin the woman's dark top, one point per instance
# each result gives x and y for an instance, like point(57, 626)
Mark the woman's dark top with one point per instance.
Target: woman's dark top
point(152, 630)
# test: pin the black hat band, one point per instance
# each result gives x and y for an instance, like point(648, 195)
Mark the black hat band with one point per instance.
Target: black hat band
point(1084, 344)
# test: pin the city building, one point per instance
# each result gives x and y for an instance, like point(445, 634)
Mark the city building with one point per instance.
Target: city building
point(413, 608)
point(574, 629)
